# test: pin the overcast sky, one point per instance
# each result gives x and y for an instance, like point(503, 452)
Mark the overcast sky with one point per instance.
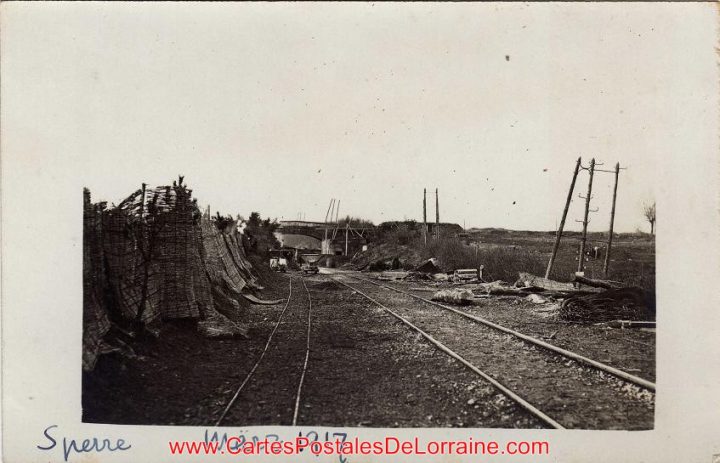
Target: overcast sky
point(278, 108)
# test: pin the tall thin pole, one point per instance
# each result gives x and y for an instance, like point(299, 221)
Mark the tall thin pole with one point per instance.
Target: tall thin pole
point(347, 225)
point(581, 257)
point(558, 236)
point(425, 227)
point(606, 265)
point(437, 215)
point(324, 245)
point(424, 205)
point(337, 211)
point(328, 211)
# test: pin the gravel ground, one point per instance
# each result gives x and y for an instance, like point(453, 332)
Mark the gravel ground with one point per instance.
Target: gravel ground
point(630, 350)
point(366, 369)
point(176, 379)
point(572, 394)
point(269, 397)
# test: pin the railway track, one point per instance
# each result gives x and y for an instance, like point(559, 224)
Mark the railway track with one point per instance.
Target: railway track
point(650, 386)
point(561, 388)
point(290, 337)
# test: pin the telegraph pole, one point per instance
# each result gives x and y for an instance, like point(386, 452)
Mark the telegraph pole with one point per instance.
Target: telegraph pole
point(606, 266)
point(347, 228)
point(437, 215)
point(581, 257)
point(562, 221)
point(425, 228)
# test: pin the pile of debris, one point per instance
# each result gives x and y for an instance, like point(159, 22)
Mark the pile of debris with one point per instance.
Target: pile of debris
point(155, 258)
point(583, 301)
point(454, 296)
point(429, 270)
point(530, 284)
point(614, 302)
point(386, 257)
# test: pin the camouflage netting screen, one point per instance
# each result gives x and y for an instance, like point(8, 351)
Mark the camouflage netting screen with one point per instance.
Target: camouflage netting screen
point(226, 266)
point(124, 240)
point(95, 319)
point(154, 258)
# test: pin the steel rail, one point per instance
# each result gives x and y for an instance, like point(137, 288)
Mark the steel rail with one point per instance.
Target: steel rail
point(566, 353)
point(262, 354)
point(307, 357)
point(519, 400)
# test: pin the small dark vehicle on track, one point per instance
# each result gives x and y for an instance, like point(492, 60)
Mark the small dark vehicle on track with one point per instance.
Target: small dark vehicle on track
point(309, 267)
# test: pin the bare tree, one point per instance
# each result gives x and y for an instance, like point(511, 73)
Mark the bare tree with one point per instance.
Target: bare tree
point(649, 212)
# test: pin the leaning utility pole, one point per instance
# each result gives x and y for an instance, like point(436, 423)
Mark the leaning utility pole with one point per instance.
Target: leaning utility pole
point(562, 221)
point(425, 228)
point(437, 215)
point(606, 265)
point(581, 257)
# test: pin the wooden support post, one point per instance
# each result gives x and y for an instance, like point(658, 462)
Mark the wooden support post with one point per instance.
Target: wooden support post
point(606, 265)
point(581, 257)
point(558, 236)
point(142, 201)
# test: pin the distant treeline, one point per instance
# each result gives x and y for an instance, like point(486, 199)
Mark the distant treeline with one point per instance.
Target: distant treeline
point(415, 226)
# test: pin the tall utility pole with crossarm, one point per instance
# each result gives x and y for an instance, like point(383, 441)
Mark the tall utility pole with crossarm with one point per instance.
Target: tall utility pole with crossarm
point(437, 215)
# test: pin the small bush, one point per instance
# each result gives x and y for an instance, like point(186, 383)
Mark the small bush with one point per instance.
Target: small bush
point(259, 235)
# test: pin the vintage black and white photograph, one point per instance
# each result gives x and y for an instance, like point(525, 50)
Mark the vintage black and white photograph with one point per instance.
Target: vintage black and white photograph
point(363, 224)
point(359, 231)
